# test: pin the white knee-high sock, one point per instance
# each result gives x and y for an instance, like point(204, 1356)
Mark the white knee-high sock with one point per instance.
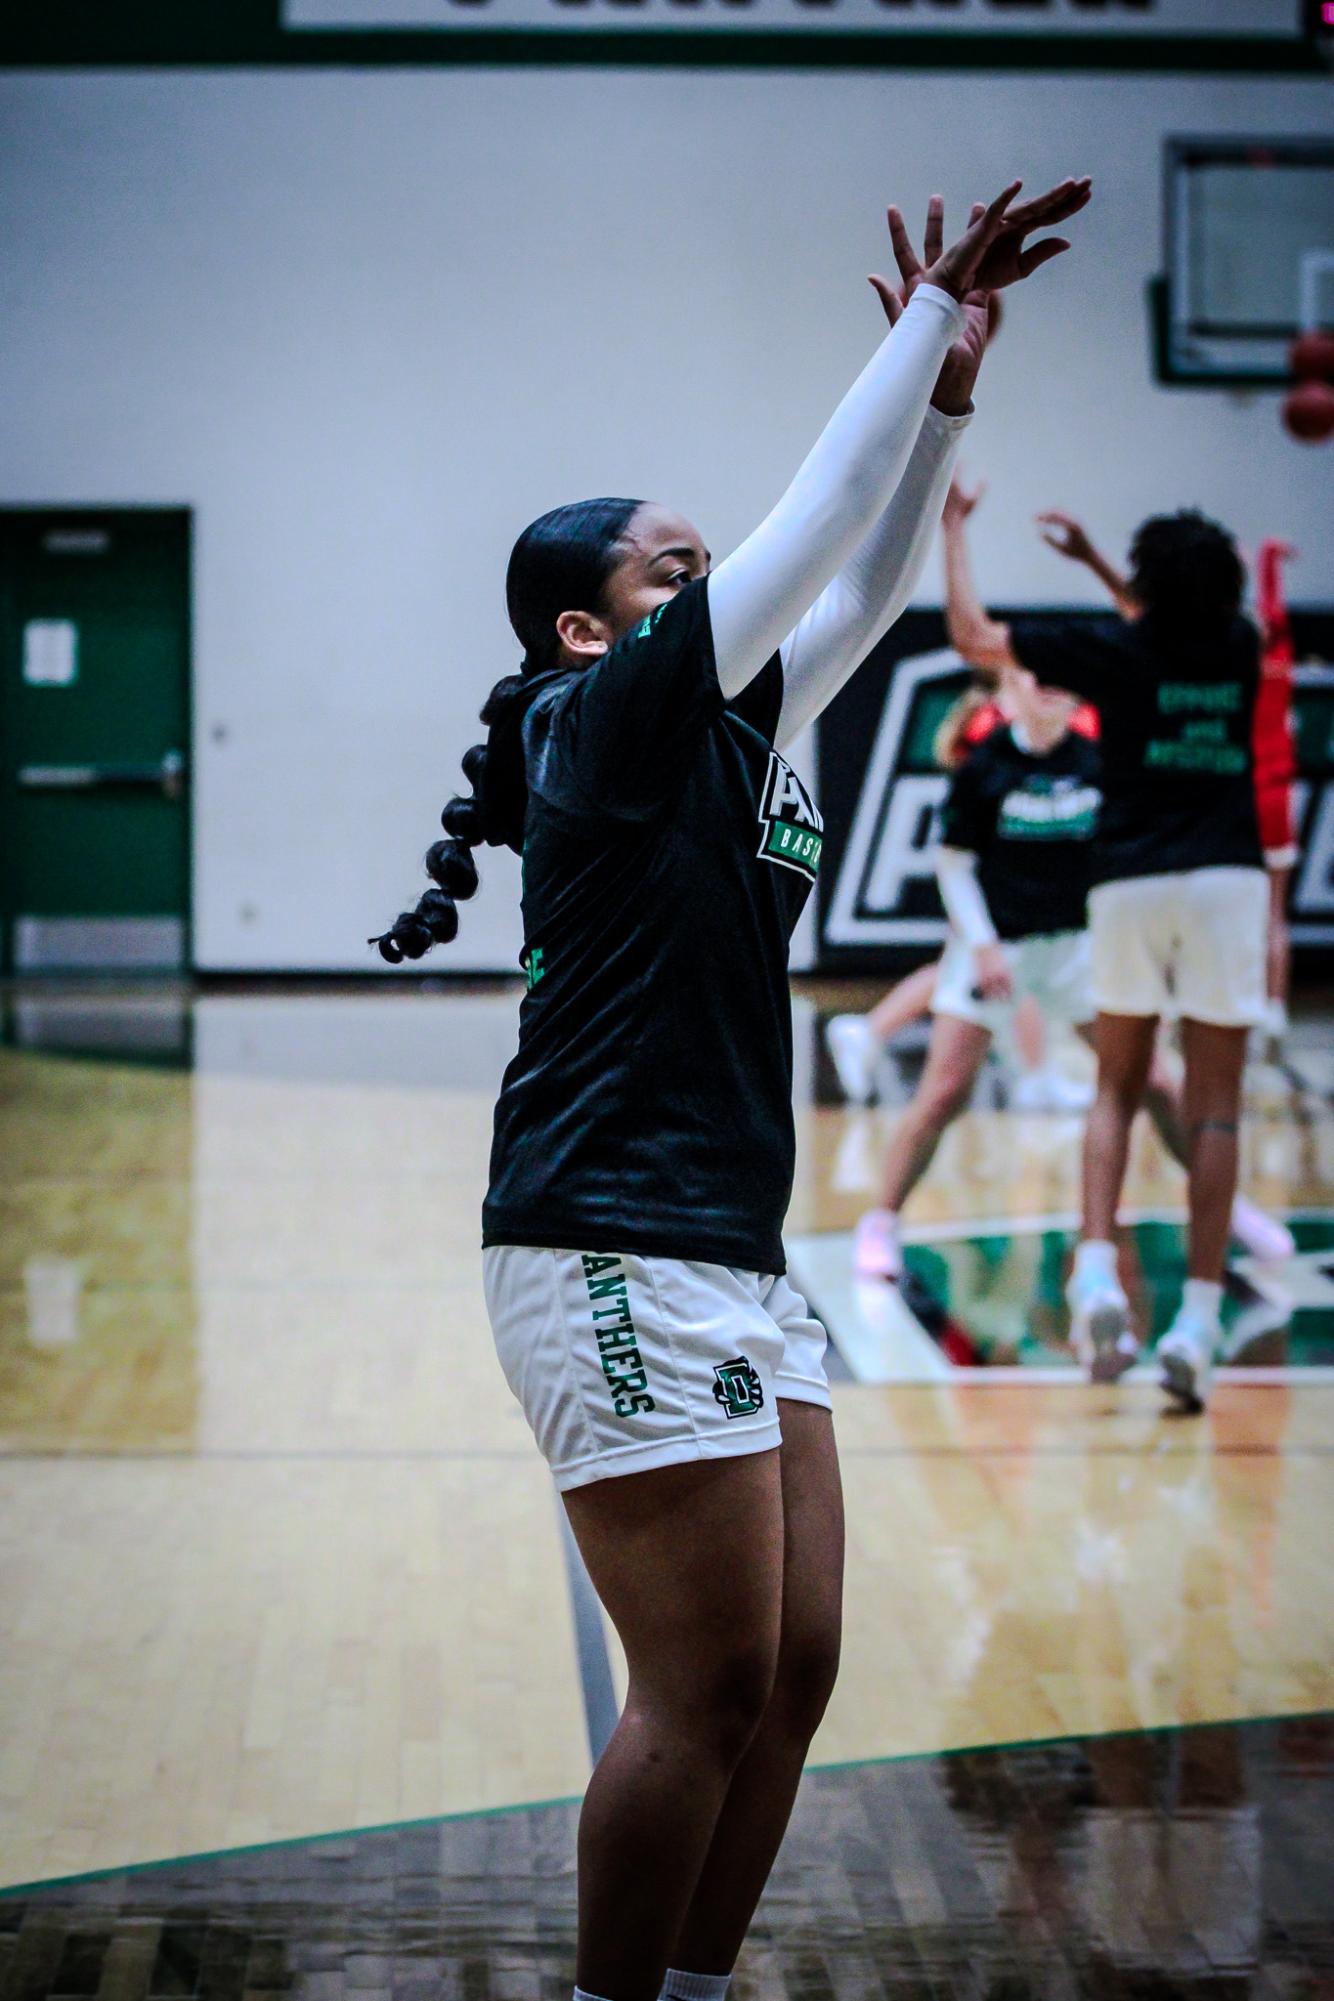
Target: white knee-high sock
point(678, 1986)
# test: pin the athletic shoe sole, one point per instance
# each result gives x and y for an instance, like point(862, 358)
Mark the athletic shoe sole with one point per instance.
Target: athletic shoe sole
point(1181, 1380)
point(1113, 1351)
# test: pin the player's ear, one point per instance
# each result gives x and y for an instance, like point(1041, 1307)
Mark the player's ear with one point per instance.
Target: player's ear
point(583, 634)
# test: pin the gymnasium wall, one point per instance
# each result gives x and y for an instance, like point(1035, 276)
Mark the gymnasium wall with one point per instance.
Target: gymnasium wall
point(369, 324)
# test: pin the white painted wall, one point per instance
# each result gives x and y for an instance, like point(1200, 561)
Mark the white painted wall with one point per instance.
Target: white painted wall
point(368, 325)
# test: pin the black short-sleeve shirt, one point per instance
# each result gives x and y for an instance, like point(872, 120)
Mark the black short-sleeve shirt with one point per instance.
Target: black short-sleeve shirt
point(1177, 782)
point(1029, 818)
point(668, 852)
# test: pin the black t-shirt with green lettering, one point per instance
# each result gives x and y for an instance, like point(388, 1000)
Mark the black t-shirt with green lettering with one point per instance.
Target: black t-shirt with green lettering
point(1177, 785)
point(1029, 818)
point(668, 853)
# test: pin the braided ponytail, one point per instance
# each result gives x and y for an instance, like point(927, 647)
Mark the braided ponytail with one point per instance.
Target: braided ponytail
point(560, 562)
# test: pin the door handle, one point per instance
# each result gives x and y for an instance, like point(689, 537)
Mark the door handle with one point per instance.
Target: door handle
point(166, 776)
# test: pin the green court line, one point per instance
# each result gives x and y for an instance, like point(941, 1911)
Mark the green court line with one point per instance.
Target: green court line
point(573, 1799)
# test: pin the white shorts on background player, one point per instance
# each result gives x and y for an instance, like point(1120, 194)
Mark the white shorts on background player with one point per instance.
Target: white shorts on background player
point(624, 1363)
point(1190, 943)
point(1054, 970)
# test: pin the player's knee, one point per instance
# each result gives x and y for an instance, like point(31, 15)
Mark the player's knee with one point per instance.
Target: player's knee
point(724, 1707)
point(947, 1097)
point(1122, 1089)
point(807, 1671)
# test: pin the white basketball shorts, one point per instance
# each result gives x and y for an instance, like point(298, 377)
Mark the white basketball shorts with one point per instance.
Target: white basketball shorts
point(623, 1363)
point(1191, 943)
point(1053, 969)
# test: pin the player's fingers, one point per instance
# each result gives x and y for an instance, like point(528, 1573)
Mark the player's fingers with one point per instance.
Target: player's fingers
point(934, 241)
point(1041, 253)
point(904, 254)
point(889, 299)
point(1066, 198)
point(959, 263)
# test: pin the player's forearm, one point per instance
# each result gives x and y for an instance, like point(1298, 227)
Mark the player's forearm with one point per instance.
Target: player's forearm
point(1113, 580)
point(855, 611)
point(762, 590)
point(961, 894)
point(981, 639)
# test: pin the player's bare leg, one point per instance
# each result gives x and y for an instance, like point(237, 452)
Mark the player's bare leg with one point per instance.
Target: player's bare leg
point(1099, 1311)
point(759, 1800)
point(1215, 1058)
point(688, 1561)
point(955, 1055)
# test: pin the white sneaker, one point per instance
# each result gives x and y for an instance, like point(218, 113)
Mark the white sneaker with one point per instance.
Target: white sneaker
point(1100, 1327)
point(1260, 1234)
point(1049, 1090)
point(853, 1050)
point(876, 1249)
point(1185, 1355)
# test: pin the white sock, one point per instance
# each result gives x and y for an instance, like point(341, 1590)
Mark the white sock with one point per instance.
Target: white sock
point(677, 1986)
point(1202, 1300)
point(1095, 1258)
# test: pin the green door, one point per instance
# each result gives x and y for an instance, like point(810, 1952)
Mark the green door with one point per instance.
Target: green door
point(94, 739)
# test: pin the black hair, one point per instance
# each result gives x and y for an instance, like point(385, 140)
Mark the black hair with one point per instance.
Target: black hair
point(1187, 575)
point(561, 562)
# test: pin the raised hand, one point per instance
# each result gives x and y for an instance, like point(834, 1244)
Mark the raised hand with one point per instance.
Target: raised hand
point(959, 503)
point(954, 389)
point(1064, 534)
point(992, 253)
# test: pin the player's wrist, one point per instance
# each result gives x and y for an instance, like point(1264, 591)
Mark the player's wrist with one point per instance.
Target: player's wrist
point(953, 393)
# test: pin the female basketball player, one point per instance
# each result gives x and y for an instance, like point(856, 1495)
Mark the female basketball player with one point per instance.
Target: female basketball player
point(1271, 736)
point(644, 1142)
point(1014, 872)
point(1178, 909)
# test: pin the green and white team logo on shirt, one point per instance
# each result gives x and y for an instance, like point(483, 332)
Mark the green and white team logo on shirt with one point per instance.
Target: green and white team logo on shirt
point(646, 625)
point(738, 1387)
point(791, 830)
point(1049, 809)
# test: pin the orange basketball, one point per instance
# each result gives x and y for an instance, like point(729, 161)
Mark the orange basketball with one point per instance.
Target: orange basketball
point(1308, 412)
point(1312, 357)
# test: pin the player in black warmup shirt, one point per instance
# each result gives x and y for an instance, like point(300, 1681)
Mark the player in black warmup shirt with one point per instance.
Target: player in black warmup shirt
point(1013, 873)
point(1178, 905)
point(644, 1142)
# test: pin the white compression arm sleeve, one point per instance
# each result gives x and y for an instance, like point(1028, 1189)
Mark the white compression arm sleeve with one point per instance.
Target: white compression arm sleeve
point(761, 591)
point(961, 894)
point(857, 609)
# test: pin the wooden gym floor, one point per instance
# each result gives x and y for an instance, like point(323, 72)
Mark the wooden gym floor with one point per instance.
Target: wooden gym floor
point(280, 1560)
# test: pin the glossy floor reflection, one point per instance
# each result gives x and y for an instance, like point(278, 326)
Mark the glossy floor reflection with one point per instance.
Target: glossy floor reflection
point(1186, 1863)
point(278, 1556)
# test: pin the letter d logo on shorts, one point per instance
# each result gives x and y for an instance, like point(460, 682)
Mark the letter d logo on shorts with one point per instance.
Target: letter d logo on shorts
point(738, 1388)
